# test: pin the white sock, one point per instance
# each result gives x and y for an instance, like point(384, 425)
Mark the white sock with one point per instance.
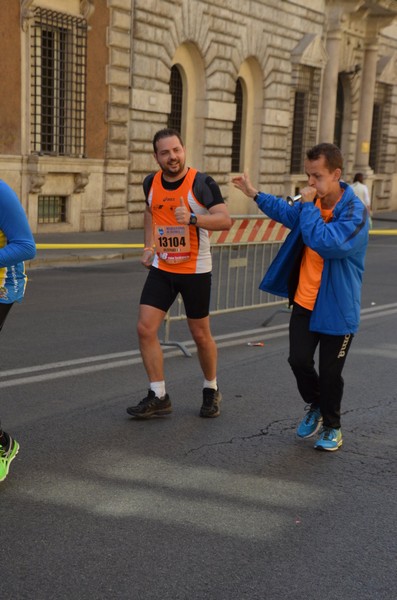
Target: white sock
point(158, 388)
point(213, 384)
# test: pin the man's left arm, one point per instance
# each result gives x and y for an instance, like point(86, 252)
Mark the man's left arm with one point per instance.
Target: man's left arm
point(208, 193)
point(217, 219)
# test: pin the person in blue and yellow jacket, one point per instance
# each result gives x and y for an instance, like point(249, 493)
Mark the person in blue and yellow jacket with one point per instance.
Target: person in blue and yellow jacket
point(319, 268)
point(16, 246)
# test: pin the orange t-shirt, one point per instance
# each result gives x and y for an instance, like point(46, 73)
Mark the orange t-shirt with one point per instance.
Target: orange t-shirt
point(311, 270)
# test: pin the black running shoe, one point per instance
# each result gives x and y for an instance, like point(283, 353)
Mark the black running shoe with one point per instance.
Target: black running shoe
point(151, 406)
point(211, 401)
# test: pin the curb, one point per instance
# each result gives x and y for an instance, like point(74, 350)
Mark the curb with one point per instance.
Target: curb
point(65, 260)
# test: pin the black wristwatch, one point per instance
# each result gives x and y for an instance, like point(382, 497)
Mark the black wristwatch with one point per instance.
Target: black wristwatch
point(193, 219)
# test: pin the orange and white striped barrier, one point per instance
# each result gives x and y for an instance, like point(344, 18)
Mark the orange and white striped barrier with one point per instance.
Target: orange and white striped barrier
point(250, 230)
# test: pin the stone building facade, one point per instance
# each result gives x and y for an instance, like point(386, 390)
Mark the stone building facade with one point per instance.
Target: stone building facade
point(250, 83)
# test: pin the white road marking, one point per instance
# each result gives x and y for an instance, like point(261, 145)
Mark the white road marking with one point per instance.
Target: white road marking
point(103, 362)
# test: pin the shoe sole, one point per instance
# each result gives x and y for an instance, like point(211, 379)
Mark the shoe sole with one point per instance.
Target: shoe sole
point(210, 416)
point(157, 413)
point(306, 437)
point(10, 460)
point(322, 449)
point(204, 416)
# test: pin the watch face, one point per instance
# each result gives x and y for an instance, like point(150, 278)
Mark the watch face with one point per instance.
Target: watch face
point(193, 220)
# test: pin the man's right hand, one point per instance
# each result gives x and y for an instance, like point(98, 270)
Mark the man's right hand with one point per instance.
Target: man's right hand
point(308, 193)
point(147, 257)
point(243, 183)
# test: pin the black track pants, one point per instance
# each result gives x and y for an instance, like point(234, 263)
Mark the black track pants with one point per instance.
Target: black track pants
point(323, 389)
point(4, 310)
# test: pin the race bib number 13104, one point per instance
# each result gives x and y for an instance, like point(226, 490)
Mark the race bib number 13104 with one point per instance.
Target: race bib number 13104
point(172, 243)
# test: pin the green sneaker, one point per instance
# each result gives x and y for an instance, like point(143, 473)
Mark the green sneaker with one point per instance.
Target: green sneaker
point(329, 439)
point(7, 454)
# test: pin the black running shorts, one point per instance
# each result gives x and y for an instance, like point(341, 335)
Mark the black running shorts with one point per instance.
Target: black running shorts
point(161, 288)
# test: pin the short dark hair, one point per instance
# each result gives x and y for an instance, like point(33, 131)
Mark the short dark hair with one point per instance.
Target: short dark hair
point(332, 154)
point(358, 177)
point(164, 133)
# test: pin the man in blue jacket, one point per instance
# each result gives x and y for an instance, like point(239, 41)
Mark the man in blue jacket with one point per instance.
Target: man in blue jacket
point(16, 246)
point(319, 268)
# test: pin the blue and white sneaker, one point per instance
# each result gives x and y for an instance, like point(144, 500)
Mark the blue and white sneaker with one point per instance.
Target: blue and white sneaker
point(329, 439)
point(310, 424)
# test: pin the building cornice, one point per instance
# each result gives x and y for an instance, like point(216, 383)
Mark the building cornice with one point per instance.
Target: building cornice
point(86, 10)
point(310, 51)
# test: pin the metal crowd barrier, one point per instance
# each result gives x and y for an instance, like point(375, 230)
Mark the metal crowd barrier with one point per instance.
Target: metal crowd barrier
point(240, 259)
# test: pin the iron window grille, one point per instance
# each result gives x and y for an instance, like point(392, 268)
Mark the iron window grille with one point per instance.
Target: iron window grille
point(176, 91)
point(52, 209)
point(58, 83)
point(376, 135)
point(298, 132)
point(380, 118)
point(339, 113)
point(305, 109)
point(237, 129)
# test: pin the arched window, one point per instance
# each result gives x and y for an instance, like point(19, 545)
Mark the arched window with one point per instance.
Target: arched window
point(340, 109)
point(176, 91)
point(237, 129)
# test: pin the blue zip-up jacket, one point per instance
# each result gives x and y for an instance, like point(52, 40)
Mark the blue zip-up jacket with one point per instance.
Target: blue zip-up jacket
point(16, 245)
point(342, 243)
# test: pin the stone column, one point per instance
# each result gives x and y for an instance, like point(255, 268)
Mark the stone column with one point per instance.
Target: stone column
point(367, 96)
point(329, 88)
point(115, 201)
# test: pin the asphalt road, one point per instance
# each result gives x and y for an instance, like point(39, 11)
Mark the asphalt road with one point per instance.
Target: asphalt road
point(99, 506)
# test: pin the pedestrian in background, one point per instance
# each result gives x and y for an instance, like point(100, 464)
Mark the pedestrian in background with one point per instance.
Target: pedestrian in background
point(361, 191)
point(319, 268)
point(16, 246)
point(182, 206)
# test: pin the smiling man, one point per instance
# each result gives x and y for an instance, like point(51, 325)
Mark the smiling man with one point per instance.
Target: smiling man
point(182, 205)
point(319, 268)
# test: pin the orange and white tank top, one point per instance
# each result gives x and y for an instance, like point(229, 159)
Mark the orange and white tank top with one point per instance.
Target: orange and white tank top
point(179, 248)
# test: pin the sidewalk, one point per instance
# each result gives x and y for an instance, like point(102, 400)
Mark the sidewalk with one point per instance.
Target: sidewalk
point(64, 256)
point(382, 216)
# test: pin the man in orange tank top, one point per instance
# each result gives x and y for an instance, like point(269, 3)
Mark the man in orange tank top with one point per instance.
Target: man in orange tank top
point(182, 205)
